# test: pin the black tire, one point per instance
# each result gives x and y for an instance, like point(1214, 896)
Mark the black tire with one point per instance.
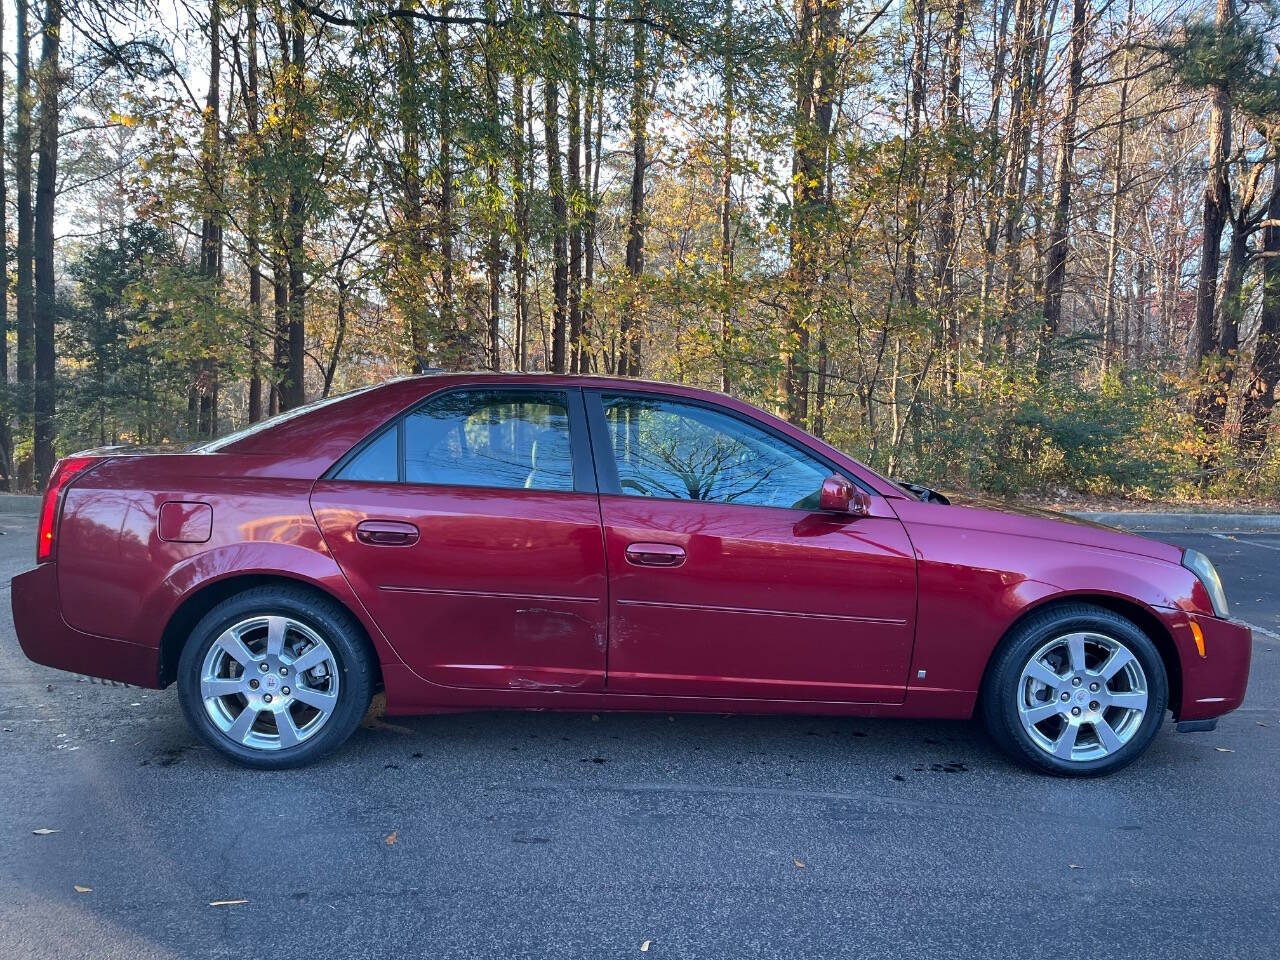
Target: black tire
point(330, 621)
point(1001, 687)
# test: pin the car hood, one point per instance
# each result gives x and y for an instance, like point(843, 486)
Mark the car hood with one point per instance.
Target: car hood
point(1020, 519)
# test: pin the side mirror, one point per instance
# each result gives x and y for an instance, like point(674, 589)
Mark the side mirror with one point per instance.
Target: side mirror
point(840, 496)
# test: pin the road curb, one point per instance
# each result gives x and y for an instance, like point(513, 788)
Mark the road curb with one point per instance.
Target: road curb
point(1186, 522)
point(19, 503)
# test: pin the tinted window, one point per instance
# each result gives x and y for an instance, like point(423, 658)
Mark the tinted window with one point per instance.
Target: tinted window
point(490, 438)
point(376, 463)
point(679, 451)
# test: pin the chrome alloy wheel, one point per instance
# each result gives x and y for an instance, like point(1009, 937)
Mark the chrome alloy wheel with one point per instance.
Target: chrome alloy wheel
point(269, 682)
point(1082, 696)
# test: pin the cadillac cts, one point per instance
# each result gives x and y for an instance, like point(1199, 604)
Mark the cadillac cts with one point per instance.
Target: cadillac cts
point(474, 541)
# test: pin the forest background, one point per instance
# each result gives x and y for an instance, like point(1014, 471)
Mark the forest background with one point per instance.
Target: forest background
point(1014, 246)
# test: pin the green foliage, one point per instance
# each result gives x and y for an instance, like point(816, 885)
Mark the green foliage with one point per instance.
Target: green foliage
point(1238, 57)
point(125, 377)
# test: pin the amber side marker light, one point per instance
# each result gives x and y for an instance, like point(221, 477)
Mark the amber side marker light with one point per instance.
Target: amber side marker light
point(64, 471)
point(1198, 635)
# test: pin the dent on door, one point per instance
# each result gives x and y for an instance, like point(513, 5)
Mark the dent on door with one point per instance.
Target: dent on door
point(498, 589)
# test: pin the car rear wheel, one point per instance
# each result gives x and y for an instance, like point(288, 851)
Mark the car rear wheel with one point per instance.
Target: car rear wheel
point(1076, 690)
point(275, 677)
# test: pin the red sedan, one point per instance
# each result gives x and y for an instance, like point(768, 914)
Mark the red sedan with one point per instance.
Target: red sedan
point(477, 541)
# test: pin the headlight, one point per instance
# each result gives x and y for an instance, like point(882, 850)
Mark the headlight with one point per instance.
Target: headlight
point(1202, 567)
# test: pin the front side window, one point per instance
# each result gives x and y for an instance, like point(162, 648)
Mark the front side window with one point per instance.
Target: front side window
point(681, 451)
point(477, 438)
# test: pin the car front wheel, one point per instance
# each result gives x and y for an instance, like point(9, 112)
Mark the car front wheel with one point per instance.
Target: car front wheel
point(1076, 690)
point(275, 677)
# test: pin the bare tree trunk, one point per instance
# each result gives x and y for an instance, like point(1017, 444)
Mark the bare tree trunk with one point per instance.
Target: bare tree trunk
point(280, 316)
point(1032, 29)
point(1264, 372)
point(254, 257)
point(991, 234)
point(591, 167)
point(50, 84)
point(559, 213)
point(919, 33)
point(493, 251)
point(415, 242)
point(819, 21)
point(520, 197)
point(1113, 234)
point(575, 193)
point(210, 226)
point(1217, 389)
point(331, 368)
point(1055, 270)
point(726, 199)
point(1217, 205)
point(1139, 340)
point(24, 294)
point(448, 308)
point(949, 321)
point(629, 328)
point(293, 392)
point(6, 438)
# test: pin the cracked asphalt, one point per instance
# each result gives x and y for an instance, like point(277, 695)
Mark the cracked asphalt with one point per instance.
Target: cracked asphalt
point(544, 835)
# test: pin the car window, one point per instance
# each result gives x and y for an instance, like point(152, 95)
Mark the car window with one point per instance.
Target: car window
point(680, 451)
point(491, 438)
point(378, 462)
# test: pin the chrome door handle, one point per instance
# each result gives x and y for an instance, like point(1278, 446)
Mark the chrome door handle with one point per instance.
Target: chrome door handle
point(655, 554)
point(386, 533)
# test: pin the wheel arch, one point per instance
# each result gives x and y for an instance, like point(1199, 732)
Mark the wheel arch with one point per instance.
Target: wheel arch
point(209, 594)
point(1136, 613)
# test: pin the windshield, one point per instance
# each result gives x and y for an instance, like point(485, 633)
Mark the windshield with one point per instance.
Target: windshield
point(213, 446)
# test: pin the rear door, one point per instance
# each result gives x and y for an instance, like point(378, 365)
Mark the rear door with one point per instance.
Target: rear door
point(470, 528)
point(725, 579)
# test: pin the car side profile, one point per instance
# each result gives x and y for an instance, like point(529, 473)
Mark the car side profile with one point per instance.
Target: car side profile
point(488, 541)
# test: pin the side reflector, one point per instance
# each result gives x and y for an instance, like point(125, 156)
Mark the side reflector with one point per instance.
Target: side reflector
point(1198, 635)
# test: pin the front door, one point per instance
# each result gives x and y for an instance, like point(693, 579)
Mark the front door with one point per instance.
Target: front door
point(470, 530)
point(725, 580)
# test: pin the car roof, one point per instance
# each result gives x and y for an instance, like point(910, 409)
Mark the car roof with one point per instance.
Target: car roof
point(317, 437)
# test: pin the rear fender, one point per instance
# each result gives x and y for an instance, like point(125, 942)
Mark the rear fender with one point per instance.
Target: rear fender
point(270, 559)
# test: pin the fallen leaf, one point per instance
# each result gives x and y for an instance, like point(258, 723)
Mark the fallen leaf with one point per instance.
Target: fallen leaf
point(227, 903)
point(644, 947)
point(79, 889)
point(392, 837)
point(799, 864)
point(1224, 750)
point(43, 831)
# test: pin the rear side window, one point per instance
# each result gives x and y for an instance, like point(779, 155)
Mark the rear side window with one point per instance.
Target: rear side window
point(378, 462)
point(475, 438)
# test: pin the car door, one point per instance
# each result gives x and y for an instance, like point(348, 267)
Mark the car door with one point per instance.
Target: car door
point(470, 530)
point(724, 578)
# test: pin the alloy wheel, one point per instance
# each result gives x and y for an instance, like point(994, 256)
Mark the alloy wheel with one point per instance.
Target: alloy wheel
point(1082, 696)
point(269, 682)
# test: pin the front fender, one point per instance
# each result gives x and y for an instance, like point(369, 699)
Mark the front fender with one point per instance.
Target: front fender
point(974, 585)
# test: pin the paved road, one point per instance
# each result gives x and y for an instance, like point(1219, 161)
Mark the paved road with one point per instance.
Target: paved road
point(537, 835)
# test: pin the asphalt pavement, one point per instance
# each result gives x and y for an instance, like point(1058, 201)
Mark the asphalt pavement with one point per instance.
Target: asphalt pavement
point(559, 835)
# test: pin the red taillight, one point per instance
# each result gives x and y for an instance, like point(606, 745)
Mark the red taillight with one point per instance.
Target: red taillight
point(64, 471)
